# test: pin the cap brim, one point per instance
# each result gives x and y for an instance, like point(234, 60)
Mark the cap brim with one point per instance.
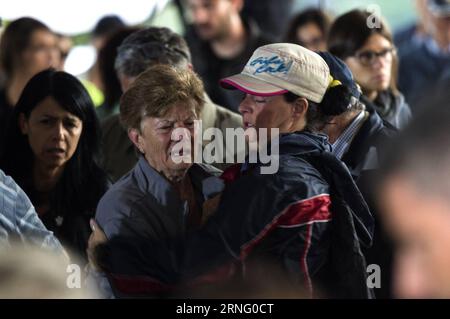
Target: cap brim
point(250, 85)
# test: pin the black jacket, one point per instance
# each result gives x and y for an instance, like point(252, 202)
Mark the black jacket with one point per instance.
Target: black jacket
point(363, 154)
point(391, 107)
point(362, 158)
point(308, 217)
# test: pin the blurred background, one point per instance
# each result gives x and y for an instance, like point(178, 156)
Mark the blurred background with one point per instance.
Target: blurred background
point(77, 19)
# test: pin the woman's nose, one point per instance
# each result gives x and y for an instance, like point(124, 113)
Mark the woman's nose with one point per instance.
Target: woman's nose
point(180, 133)
point(59, 131)
point(245, 106)
point(381, 62)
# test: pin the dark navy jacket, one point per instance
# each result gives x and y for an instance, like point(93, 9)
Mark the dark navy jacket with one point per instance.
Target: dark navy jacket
point(420, 70)
point(309, 217)
point(363, 154)
point(362, 158)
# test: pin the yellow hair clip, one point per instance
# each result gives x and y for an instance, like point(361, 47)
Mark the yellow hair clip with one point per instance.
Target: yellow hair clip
point(333, 82)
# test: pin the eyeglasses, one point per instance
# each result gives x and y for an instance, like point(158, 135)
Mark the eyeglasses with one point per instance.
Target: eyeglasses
point(368, 58)
point(313, 43)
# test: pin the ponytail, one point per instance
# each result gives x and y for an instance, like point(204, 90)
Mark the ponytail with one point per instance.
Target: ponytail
point(336, 100)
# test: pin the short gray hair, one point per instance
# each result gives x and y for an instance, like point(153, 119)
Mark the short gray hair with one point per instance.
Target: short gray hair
point(150, 46)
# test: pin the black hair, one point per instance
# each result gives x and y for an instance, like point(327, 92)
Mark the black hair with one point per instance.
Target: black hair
point(336, 101)
point(106, 60)
point(350, 32)
point(310, 15)
point(107, 25)
point(83, 182)
point(153, 45)
point(15, 40)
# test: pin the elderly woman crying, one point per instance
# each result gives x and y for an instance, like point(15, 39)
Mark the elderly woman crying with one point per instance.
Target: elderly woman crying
point(162, 196)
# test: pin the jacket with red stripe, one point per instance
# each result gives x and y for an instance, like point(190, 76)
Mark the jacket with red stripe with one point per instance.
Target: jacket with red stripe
point(286, 219)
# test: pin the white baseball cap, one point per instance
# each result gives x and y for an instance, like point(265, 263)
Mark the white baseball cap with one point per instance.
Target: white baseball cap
point(279, 68)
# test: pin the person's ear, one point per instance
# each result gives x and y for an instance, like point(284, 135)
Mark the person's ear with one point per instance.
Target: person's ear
point(299, 108)
point(23, 124)
point(135, 136)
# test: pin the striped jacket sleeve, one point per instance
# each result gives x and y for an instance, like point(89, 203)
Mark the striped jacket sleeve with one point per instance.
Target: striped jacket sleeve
point(19, 220)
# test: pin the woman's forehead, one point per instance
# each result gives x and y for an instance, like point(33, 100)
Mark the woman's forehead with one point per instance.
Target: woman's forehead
point(49, 106)
point(179, 113)
point(376, 41)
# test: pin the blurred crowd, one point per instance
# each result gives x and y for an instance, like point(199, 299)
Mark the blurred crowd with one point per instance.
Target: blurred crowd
point(91, 179)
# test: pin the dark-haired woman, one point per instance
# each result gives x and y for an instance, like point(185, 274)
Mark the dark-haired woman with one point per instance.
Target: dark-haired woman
point(309, 28)
point(50, 150)
point(371, 56)
point(27, 47)
point(106, 66)
point(288, 216)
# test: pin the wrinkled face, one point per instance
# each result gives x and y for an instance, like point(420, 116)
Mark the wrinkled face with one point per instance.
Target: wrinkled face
point(311, 37)
point(266, 112)
point(211, 17)
point(158, 140)
point(372, 64)
point(53, 133)
point(420, 224)
point(42, 52)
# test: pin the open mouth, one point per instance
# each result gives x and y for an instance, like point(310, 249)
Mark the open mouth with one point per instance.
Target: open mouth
point(57, 151)
point(248, 125)
point(180, 152)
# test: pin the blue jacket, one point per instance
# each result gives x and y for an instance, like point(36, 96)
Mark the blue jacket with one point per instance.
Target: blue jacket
point(420, 70)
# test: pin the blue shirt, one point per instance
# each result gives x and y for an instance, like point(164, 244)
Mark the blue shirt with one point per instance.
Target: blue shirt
point(19, 221)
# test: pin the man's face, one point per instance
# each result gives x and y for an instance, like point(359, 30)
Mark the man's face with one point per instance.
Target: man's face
point(211, 17)
point(42, 52)
point(420, 224)
point(440, 30)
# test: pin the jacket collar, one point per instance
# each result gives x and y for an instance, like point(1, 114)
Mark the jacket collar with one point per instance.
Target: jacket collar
point(296, 143)
point(203, 177)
